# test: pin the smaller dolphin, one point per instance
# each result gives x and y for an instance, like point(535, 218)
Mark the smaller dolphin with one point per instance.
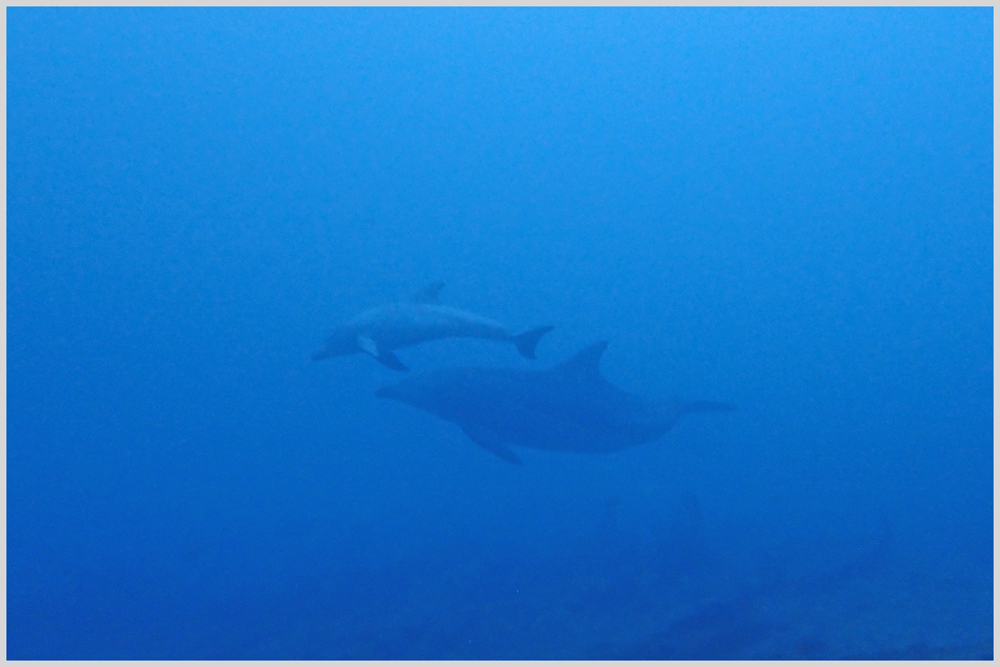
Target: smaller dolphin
point(379, 331)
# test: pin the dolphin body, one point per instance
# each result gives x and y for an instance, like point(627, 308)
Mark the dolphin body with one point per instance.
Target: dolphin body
point(569, 407)
point(380, 331)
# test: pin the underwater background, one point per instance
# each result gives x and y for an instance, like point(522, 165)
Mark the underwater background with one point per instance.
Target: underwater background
point(789, 210)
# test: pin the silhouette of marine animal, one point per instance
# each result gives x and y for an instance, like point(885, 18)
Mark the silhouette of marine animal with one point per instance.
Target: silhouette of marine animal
point(381, 331)
point(569, 407)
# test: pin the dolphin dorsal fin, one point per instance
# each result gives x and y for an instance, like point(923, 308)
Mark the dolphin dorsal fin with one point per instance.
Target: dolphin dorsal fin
point(428, 294)
point(586, 362)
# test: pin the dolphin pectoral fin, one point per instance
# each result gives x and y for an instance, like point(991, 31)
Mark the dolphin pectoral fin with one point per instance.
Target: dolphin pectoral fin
point(527, 341)
point(390, 360)
point(491, 442)
point(366, 344)
point(428, 294)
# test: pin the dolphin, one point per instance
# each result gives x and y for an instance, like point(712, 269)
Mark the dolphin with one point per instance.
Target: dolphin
point(568, 407)
point(379, 331)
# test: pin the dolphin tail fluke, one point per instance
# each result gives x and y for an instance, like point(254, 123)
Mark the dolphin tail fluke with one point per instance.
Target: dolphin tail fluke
point(527, 341)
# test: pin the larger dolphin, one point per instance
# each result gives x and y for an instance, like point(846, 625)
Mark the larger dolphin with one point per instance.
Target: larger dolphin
point(382, 330)
point(569, 407)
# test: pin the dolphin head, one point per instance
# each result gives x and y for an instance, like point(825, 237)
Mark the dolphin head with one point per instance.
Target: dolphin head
point(341, 342)
point(428, 391)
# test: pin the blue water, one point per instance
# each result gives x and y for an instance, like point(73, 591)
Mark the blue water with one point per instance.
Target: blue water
point(788, 209)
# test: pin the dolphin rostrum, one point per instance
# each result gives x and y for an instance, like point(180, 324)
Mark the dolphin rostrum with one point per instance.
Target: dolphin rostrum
point(569, 407)
point(379, 331)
